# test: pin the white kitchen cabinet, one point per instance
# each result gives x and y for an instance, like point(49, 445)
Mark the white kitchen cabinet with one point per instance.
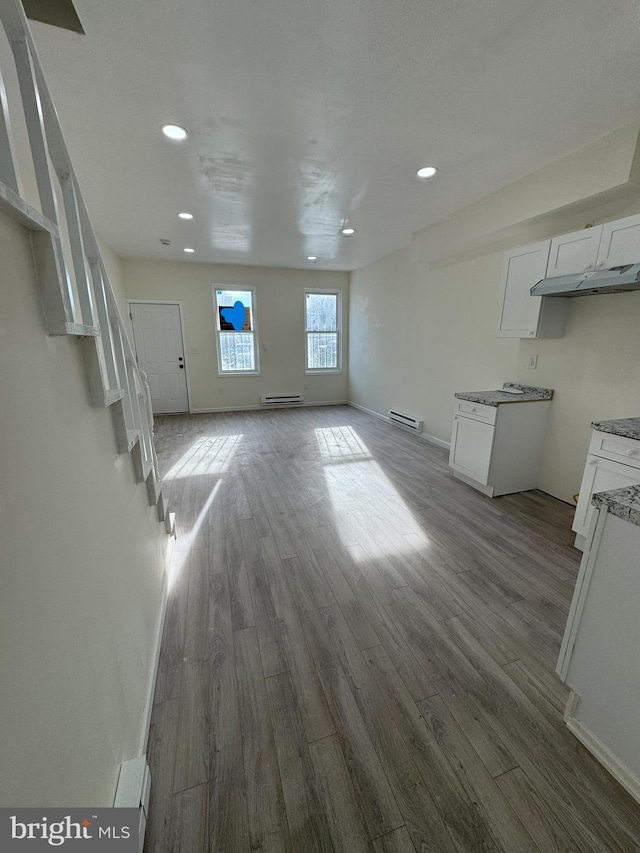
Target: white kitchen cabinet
point(613, 462)
point(471, 446)
point(497, 449)
point(600, 247)
point(603, 246)
point(523, 315)
point(574, 253)
point(600, 475)
point(620, 242)
point(599, 654)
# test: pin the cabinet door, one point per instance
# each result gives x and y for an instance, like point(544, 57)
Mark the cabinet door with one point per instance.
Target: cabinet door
point(520, 312)
point(471, 445)
point(574, 253)
point(620, 243)
point(600, 475)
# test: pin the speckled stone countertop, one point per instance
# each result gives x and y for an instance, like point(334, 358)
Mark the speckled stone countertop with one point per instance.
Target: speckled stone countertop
point(625, 503)
point(626, 427)
point(495, 398)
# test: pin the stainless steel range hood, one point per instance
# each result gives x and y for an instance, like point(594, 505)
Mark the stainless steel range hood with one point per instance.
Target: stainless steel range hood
point(614, 280)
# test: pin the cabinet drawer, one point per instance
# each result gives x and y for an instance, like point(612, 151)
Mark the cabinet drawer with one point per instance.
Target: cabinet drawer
point(616, 447)
point(477, 411)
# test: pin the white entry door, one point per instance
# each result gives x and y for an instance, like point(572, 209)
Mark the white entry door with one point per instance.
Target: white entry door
point(157, 332)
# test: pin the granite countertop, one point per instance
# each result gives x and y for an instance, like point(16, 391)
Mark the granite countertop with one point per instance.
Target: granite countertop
point(625, 503)
point(626, 427)
point(496, 398)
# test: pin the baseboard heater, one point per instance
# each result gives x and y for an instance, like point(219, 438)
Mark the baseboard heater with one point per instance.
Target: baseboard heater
point(406, 421)
point(133, 791)
point(282, 400)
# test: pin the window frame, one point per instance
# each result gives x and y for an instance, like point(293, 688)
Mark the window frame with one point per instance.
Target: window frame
point(240, 288)
point(323, 291)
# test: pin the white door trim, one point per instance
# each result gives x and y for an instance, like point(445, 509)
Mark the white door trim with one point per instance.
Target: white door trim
point(177, 302)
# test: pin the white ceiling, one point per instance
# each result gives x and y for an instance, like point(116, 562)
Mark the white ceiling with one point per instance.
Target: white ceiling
point(305, 114)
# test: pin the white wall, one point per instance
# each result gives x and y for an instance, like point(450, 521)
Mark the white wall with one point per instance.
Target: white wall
point(82, 567)
point(417, 336)
point(422, 328)
point(280, 322)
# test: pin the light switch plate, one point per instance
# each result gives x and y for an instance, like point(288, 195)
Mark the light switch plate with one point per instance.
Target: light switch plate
point(533, 362)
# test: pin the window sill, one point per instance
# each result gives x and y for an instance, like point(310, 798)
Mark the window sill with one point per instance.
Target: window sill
point(221, 374)
point(321, 371)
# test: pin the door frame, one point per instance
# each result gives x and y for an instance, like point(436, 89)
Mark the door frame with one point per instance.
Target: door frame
point(177, 302)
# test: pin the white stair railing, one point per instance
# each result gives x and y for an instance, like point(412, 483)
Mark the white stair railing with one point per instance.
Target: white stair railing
point(77, 297)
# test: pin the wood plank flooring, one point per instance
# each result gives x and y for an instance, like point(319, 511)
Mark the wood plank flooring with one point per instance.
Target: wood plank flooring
point(359, 652)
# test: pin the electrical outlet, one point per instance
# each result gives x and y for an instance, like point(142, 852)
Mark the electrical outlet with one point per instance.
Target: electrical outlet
point(533, 362)
point(195, 350)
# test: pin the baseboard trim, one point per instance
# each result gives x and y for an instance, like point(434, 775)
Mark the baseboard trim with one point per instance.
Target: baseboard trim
point(267, 408)
point(327, 403)
point(439, 442)
point(151, 689)
point(371, 412)
point(423, 435)
point(618, 770)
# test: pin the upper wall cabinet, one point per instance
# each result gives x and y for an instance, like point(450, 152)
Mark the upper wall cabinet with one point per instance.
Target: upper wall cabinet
point(602, 246)
point(620, 242)
point(526, 316)
point(574, 253)
point(523, 315)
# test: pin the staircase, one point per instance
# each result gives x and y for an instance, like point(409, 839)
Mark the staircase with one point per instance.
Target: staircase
point(77, 298)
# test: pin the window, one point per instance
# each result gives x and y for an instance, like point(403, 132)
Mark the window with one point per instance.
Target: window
point(322, 327)
point(236, 329)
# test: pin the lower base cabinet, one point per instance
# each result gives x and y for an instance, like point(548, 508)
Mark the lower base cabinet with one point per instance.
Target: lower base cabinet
point(498, 449)
point(613, 462)
point(471, 447)
point(599, 655)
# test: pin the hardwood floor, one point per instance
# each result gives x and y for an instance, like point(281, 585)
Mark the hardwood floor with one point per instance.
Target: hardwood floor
point(359, 651)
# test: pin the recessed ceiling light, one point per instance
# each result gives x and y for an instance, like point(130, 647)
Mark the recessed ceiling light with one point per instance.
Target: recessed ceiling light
point(185, 215)
point(189, 250)
point(312, 257)
point(426, 172)
point(348, 231)
point(175, 132)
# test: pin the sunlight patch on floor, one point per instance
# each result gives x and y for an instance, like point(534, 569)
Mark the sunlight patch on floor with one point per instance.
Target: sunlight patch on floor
point(366, 506)
point(207, 455)
point(341, 442)
point(183, 546)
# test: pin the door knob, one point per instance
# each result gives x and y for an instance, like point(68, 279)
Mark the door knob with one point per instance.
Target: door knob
point(182, 367)
point(180, 358)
